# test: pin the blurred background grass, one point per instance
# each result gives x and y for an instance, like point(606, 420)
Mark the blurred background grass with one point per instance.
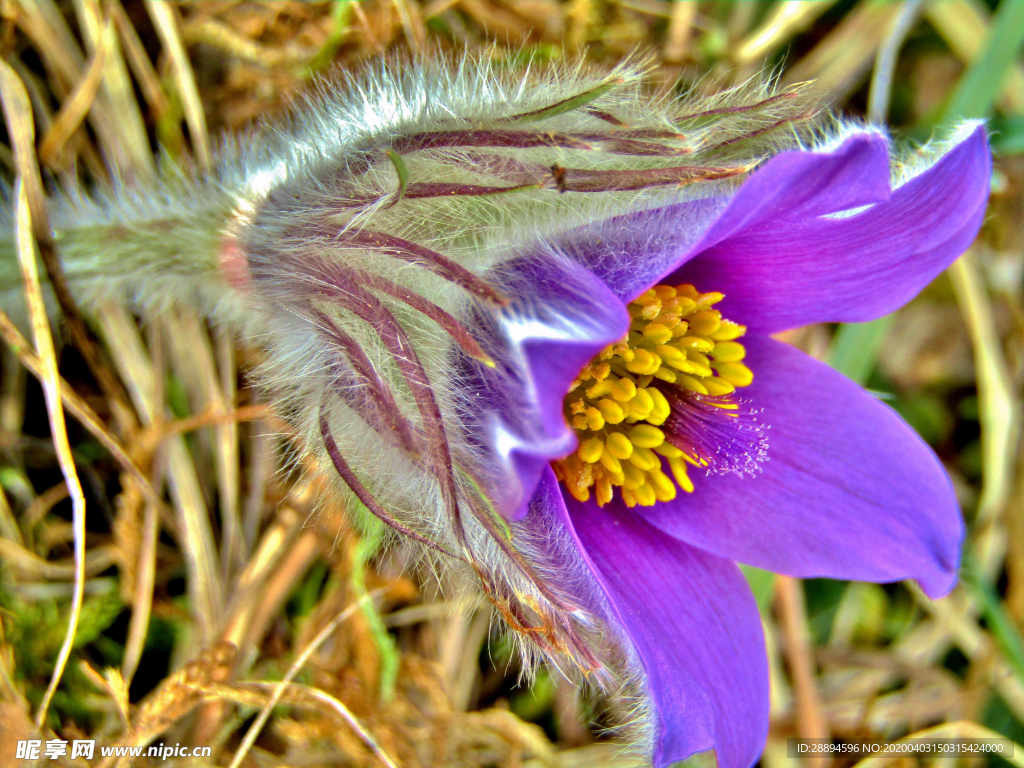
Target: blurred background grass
point(206, 579)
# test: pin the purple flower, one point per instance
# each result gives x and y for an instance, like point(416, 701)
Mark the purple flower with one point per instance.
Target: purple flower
point(474, 282)
point(848, 490)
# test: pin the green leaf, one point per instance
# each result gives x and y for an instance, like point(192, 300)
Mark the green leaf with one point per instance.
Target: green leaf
point(762, 584)
point(1000, 624)
point(1008, 135)
point(403, 173)
point(568, 105)
point(855, 347)
point(976, 92)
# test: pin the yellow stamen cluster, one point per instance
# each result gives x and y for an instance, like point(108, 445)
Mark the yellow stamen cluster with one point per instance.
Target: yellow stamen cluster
point(675, 337)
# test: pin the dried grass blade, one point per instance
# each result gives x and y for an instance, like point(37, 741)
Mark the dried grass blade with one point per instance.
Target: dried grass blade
point(44, 22)
point(192, 359)
point(297, 665)
point(166, 23)
point(959, 729)
point(1000, 414)
point(77, 407)
point(142, 604)
point(130, 357)
point(343, 711)
point(228, 469)
point(74, 109)
point(138, 60)
point(128, 140)
point(30, 564)
point(16, 109)
point(787, 19)
point(22, 134)
point(51, 388)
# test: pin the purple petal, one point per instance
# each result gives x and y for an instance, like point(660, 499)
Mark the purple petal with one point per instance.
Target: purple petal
point(796, 267)
point(560, 316)
point(778, 257)
point(849, 491)
point(631, 253)
point(694, 625)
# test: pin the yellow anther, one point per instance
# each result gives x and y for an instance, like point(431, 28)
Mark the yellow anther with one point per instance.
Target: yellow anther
point(691, 383)
point(619, 407)
point(600, 389)
point(728, 331)
point(699, 358)
point(579, 492)
point(683, 365)
point(705, 323)
point(667, 319)
point(698, 368)
point(688, 291)
point(718, 386)
point(657, 333)
point(591, 450)
point(623, 390)
point(619, 446)
point(633, 477)
point(669, 354)
point(612, 411)
point(661, 410)
point(641, 405)
point(651, 311)
point(668, 450)
point(664, 489)
point(646, 436)
point(728, 352)
point(610, 463)
point(644, 458)
point(736, 374)
point(678, 467)
point(695, 342)
point(645, 495)
point(644, 362)
point(708, 299)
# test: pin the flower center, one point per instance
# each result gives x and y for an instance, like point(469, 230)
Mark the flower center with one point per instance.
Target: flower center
point(666, 391)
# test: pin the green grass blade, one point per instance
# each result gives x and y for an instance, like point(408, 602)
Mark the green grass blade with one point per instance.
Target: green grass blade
point(855, 347)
